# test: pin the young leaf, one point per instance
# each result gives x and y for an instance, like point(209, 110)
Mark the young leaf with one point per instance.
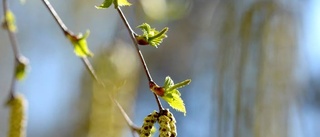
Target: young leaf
point(107, 4)
point(9, 22)
point(80, 44)
point(180, 85)
point(120, 3)
point(171, 93)
point(168, 82)
point(21, 68)
point(175, 101)
point(150, 35)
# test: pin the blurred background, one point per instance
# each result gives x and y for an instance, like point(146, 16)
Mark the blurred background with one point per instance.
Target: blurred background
point(254, 66)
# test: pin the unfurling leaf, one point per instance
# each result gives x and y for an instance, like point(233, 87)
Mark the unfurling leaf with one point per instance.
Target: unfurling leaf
point(175, 101)
point(170, 93)
point(121, 3)
point(150, 35)
point(168, 82)
point(107, 4)
point(21, 68)
point(17, 123)
point(180, 85)
point(9, 22)
point(80, 44)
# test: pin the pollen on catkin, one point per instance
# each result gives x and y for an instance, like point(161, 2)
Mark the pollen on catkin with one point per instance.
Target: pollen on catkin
point(172, 124)
point(148, 124)
point(17, 122)
point(164, 122)
point(167, 124)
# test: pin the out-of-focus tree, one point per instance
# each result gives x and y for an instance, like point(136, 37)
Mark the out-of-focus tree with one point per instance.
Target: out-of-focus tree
point(258, 51)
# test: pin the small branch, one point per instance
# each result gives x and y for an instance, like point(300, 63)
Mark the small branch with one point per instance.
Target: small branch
point(56, 17)
point(132, 35)
point(66, 32)
point(132, 126)
point(14, 45)
point(146, 70)
point(91, 70)
point(158, 102)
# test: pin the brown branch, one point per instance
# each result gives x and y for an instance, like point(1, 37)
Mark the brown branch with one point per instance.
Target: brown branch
point(133, 127)
point(67, 32)
point(14, 45)
point(132, 36)
point(136, 45)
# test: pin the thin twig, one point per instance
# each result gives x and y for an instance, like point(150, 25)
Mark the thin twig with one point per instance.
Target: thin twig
point(132, 126)
point(132, 35)
point(91, 70)
point(67, 32)
point(56, 17)
point(158, 102)
point(131, 32)
point(14, 45)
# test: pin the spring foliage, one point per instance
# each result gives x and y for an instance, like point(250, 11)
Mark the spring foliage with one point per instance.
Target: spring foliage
point(9, 21)
point(108, 3)
point(150, 35)
point(170, 93)
point(21, 68)
point(80, 45)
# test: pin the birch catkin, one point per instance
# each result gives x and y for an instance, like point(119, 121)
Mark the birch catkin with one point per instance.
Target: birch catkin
point(17, 125)
point(172, 125)
point(167, 124)
point(148, 124)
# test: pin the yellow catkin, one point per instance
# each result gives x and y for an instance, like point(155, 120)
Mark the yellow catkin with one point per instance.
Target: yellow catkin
point(172, 124)
point(164, 122)
point(167, 124)
point(148, 124)
point(17, 125)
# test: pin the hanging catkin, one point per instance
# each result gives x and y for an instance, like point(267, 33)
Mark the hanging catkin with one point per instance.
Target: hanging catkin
point(148, 124)
point(17, 123)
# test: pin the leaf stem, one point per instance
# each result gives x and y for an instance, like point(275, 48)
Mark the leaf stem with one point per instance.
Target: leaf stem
point(67, 32)
point(136, 45)
point(14, 45)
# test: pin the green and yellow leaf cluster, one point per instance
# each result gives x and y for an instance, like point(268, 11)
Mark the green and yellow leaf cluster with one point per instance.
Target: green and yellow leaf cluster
point(21, 68)
point(151, 36)
point(9, 21)
point(170, 93)
point(80, 44)
point(107, 4)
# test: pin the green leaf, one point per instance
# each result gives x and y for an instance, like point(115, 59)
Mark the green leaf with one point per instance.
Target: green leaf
point(107, 4)
point(80, 44)
point(21, 68)
point(175, 101)
point(168, 82)
point(180, 85)
point(120, 3)
point(9, 22)
point(172, 94)
point(151, 35)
